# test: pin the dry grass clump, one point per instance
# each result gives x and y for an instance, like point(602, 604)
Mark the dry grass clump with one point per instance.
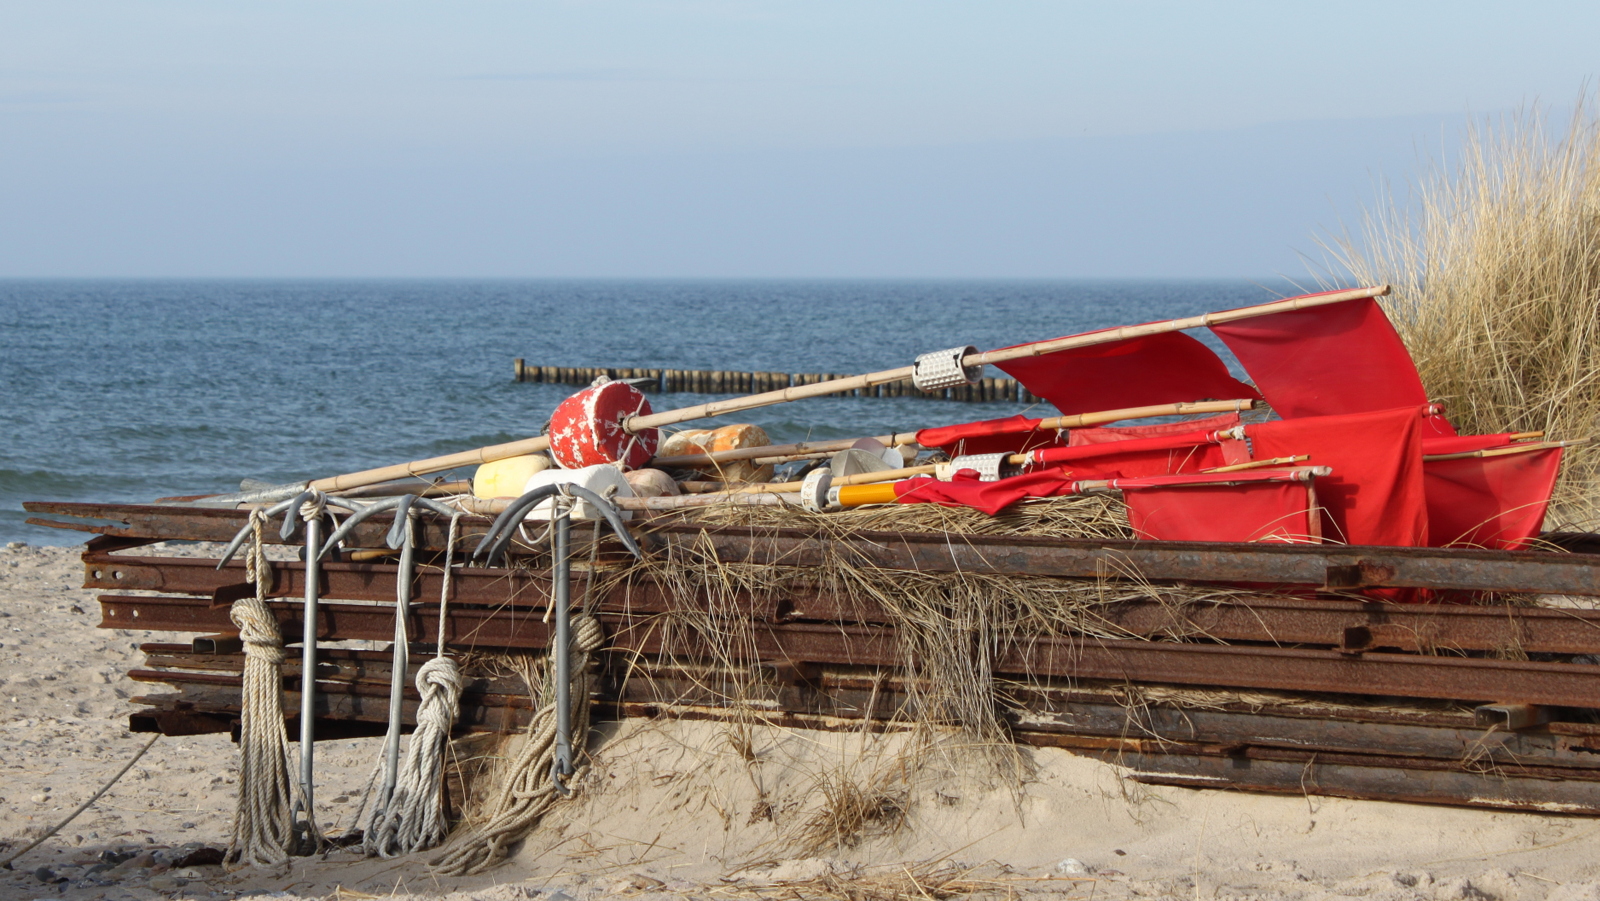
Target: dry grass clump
point(1495, 263)
point(853, 811)
point(952, 630)
point(1089, 517)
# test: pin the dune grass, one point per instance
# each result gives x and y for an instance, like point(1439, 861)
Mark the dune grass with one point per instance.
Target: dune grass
point(1495, 263)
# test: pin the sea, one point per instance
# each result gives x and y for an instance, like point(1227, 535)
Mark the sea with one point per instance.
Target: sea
point(129, 390)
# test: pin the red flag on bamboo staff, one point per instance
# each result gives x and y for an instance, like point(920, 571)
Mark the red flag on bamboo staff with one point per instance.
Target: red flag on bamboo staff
point(1011, 435)
point(1326, 361)
point(965, 490)
point(1490, 502)
point(1461, 444)
point(1165, 368)
point(1375, 494)
point(1157, 455)
point(1224, 508)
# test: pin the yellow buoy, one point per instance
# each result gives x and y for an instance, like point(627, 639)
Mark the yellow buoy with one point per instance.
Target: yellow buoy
point(507, 478)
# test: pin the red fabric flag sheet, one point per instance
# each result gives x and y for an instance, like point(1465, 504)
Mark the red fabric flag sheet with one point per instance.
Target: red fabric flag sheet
point(1461, 444)
point(964, 490)
point(1271, 511)
point(1375, 494)
point(1490, 502)
point(1012, 435)
point(1326, 361)
point(1170, 454)
point(1155, 369)
point(1107, 434)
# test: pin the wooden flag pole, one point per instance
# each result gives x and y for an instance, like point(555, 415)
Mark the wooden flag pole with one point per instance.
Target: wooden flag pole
point(833, 386)
point(1039, 348)
point(783, 453)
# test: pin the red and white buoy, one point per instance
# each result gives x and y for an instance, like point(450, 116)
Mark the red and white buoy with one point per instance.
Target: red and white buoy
point(587, 428)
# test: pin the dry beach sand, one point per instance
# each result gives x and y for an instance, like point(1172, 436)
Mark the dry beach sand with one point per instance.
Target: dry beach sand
point(676, 809)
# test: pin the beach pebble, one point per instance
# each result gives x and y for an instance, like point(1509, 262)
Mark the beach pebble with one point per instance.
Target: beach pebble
point(38, 799)
point(188, 873)
point(1071, 866)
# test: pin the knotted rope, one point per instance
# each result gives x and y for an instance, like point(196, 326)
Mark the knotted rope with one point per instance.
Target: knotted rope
point(263, 832)
point(415, 816)
point(529, 792)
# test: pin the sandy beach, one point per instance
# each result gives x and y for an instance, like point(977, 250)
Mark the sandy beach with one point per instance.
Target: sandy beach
point(683, 809)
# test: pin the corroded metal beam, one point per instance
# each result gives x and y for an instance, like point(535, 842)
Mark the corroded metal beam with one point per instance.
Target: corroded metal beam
point(1326, 566)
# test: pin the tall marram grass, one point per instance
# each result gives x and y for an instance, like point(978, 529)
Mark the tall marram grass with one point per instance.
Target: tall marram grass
point(1495, 263)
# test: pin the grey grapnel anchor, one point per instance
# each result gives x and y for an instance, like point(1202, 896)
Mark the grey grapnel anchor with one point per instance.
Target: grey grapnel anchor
point(304, 807)
point(401, 536)
point(494, 545)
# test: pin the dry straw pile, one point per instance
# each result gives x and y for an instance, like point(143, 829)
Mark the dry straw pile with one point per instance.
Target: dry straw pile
point(1495, 263)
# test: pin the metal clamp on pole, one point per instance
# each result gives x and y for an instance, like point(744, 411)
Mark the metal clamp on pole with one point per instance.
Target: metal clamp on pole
point(941, 369)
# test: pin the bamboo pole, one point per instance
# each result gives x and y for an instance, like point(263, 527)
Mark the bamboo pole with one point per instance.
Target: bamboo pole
point(734, 405)
point(1503, 451)
point(861, 478)
point(798, 392)
point(783, 453)
point(1259, 464)
point(496, 506)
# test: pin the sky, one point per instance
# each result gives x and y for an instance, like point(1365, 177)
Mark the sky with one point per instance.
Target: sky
point(700, 138)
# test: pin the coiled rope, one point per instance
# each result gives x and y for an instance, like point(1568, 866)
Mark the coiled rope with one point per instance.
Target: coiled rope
point(263, 832)
point(415, 817)
point(529, 791)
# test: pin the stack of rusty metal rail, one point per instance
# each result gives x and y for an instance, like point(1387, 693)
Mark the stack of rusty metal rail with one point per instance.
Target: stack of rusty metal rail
point(1490, 704)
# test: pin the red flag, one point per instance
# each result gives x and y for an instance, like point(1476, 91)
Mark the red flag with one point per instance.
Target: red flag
point(1375, 495)
point(1166, 368)
point(1105, 434)
point(1461, 444)
point(991, 497)
point(1158, 455)
point(1275, 511)
point(1326, 361)
point(1490, 502)
point(1011, 435)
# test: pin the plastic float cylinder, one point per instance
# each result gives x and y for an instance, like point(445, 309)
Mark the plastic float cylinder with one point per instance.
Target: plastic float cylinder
point(604, 479)
point(861, 495)
point(586, 429)
point(506, 478)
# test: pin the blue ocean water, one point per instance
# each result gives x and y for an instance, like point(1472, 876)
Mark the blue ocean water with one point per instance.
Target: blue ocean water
point(132, 390)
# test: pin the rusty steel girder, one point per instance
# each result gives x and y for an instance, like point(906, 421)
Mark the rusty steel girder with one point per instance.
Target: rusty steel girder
point(1138, 661)
point(1346, 752)
point(1047, 707)
point(1330, 566)
point(1278, 619)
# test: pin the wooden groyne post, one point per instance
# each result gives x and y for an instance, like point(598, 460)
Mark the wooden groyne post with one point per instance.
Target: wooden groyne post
point(717, 381)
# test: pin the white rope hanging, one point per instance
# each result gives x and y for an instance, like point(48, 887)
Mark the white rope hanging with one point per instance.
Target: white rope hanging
point(529, 791)
point(263, 832)
point(415, 817)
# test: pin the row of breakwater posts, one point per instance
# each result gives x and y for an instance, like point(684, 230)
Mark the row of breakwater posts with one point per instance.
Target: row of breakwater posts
point(716, 381)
